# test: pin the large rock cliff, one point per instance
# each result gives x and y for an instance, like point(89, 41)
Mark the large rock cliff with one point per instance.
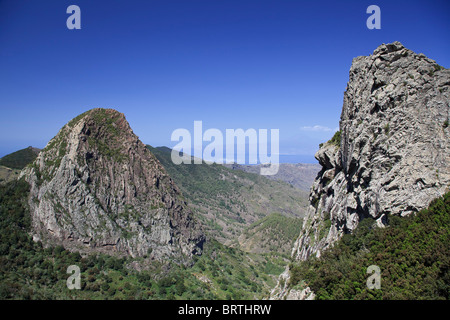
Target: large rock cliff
point(97, 187)
point(392, 153)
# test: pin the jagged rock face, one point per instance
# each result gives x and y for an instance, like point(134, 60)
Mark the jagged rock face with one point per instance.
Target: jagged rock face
point(393, 156)
point(283, 291)
point(96, 186)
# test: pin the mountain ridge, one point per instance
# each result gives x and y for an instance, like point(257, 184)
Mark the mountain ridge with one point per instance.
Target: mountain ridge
point(228, 201)
point(300, 175)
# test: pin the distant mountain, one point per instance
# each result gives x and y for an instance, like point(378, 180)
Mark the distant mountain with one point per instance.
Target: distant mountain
point(11, 164)
point(300, 175)
point(8, 174)
point(19, 159)
point(228, 201)
point(96, 187)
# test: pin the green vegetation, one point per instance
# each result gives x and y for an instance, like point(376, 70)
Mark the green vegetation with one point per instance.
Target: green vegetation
point(278, 223)
point(273, 233)
point(413, 254)
point(101, 117)
point(106, 120)
point(386, 128)
point(107, 150)
point(438, 67)
point(199, 181)
point(29, 271)
point(335, 140)
point(19, 159)
point(225, 200)
point(75, 120)
point(58, 146)
point(8, 174)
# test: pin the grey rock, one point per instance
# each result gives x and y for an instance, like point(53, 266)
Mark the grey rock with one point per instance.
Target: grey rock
point(283, 291)
point(394, 152)
point(96, 187)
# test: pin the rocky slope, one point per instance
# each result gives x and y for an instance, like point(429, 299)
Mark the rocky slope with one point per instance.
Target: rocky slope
point(391, 156)
point(97, 187)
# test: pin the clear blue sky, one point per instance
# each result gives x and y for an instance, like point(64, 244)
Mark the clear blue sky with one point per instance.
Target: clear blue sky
point(232, 64)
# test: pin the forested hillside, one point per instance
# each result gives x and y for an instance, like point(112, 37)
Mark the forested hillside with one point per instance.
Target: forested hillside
point(228, 201)
point(413, 254)
point(30, 271)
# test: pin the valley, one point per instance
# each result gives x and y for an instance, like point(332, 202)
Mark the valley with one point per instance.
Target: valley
point(139, 226)
point(250, 223)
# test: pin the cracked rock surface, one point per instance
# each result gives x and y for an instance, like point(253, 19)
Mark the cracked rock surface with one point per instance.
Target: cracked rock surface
point(394, 149)
point(96, 187)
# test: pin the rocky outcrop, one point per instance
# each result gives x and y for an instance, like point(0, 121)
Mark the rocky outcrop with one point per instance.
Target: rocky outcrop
point(97, 187)
point(283, 290)
point(392, 156)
